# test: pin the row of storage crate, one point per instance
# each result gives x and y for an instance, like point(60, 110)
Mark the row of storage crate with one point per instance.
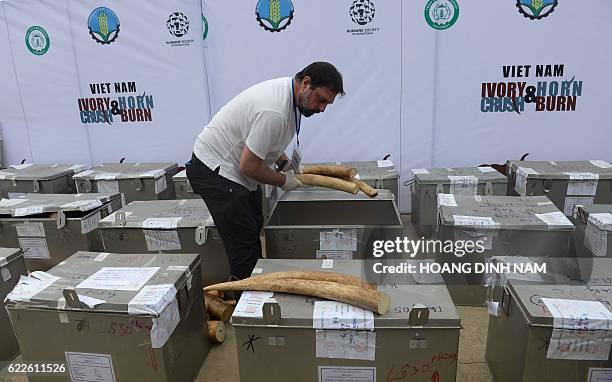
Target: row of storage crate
point(140, 317)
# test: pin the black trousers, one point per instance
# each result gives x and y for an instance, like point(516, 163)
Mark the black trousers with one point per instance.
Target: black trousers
point(237, 214)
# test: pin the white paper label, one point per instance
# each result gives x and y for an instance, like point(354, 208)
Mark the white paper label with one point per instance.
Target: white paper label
point(520, 185)
point(83, 174)
point(596, 233)
point(161, 223)
point(346, 344)
point(162, 240)
point(251, 303)
point(34, 248)
point(3, 261)
point(152, 299)
point(601, 163)
point(582, 183)
point(553, 219)
point(463, 185)
point(582, 330)
point(573, 201)
point(89, 367)
point(164, 325)
point(29, 286)
point(160, 185)
point(493, 308)
point(487, 169)
point(346, 374)
point(339, 240)
point(30, 230)
point(484, 222)
point(6, 203)
point(108, 186)
point(76, 167)
point(106, 176)
point(91, 223)
point(83, 205)
point(257, 270)
point(600, 374)
point(338, 255)
point(101, 256)
point(119, 278)
point(327, 264)
point(90, 301)
point(420, 171)
point(337, 315)
point(446, 200)
point(385, 163)
point(31, 210)
point(6, 274)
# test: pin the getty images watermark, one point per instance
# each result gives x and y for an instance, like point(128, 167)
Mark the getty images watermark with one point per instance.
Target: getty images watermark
point(452, 257)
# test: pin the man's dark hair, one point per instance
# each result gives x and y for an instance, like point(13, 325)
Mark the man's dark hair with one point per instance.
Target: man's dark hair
point(322, 74)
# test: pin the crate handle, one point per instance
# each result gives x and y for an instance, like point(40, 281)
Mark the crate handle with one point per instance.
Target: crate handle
point(271, 312)
point(36, 185)
point(419, 315)
point(71, 297)
point(61, 219)
point(200, 235)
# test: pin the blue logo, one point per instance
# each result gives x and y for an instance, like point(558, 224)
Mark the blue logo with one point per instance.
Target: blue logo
point(103, 25)
point(536, 9)
point(274, 15)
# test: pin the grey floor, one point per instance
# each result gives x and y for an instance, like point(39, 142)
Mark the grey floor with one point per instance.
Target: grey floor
point(222, 364)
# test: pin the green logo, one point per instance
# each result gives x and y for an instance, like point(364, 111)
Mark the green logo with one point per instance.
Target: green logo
point(204, 27)
point(441, 14)
point(37, 40)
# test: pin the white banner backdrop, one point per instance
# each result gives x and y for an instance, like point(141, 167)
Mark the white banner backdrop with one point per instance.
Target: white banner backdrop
point(363, 125)
point(46, 70)
point(478, 48)
point(15, 142)
point(152, 67)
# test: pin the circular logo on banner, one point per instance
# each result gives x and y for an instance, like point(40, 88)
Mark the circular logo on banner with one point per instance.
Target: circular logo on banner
point(37, 40)
point(274, 15)
point(103, 25)
point(178, 24)
point(536, 9)
point(362, 11)
point(441, 14)
point(204, 27)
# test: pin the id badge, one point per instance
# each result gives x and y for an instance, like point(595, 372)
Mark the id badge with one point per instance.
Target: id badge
point(296, 159)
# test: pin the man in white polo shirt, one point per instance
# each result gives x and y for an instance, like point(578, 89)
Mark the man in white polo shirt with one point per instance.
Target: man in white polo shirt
point(235, 153)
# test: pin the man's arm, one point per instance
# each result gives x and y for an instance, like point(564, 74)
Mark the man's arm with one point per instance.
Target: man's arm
point(254, 167)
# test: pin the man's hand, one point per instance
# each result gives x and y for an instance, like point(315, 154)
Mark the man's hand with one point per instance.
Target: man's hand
point(291, 182)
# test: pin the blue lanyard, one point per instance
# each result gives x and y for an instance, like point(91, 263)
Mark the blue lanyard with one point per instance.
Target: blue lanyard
point(296, 111)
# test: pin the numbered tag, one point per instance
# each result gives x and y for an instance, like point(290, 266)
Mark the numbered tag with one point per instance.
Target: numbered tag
point(296, 159)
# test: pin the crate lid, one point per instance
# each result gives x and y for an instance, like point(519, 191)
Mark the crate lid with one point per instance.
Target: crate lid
point(181, 176)
point(29, 171)
point(106, 282)
point(529, 298)
point(501, 212)
point(8, 254)
point(583, 212)
point(458, 174)
point(367, 170)
point(160, 214)
point(553, 270)
point(112, 171)
point(34, 204)
point(576, 170)
point(297, 310)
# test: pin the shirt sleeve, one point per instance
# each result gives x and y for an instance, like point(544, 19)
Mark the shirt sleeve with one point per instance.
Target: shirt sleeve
point(267, 127)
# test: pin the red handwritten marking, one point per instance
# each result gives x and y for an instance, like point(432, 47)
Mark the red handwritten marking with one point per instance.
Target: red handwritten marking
point(153, 360)
point(407, 370)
